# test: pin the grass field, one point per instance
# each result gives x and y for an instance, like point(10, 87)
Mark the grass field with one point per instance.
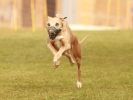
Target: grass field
point(26, 71)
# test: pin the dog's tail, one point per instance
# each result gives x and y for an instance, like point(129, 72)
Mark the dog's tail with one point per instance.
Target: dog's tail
point(84, 39)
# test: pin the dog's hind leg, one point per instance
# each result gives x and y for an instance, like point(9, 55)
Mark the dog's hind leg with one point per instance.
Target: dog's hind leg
point(79, 84)
point(77, 56)
point(76, 50)
point(70, 57)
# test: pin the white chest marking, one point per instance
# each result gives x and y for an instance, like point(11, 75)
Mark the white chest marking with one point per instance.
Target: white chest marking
point(59, 37)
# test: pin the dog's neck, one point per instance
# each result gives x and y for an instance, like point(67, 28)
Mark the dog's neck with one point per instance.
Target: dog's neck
point(66, 27)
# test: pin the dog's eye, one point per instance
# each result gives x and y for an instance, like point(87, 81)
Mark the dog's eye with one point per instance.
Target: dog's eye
point(56, 24)
point(48, 24)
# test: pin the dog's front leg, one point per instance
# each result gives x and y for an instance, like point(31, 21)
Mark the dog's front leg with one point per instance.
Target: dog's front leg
point(52, 49)
point(60, 52)
point(54, 52)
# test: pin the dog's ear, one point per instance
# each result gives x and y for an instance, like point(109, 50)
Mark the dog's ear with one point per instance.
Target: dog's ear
point(60, 16)
point(65, 18)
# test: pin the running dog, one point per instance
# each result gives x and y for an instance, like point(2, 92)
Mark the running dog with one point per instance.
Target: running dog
point(62, 41)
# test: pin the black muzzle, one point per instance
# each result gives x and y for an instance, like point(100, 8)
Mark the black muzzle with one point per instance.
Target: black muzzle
point(53, 32)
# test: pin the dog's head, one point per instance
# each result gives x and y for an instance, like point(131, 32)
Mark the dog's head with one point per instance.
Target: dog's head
point(54, 26)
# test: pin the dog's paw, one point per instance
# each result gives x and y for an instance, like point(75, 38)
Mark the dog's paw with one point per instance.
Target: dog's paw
point(79, 84)
point(56, 64)
point(73, 61)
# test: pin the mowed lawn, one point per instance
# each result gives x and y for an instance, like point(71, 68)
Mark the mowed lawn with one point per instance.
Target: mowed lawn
point(26, 71)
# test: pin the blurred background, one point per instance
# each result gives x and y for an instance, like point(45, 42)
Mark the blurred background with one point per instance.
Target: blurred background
point(26, 67)
point(82, 14)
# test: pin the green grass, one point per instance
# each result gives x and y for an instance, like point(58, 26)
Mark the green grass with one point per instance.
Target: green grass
point(26, 71)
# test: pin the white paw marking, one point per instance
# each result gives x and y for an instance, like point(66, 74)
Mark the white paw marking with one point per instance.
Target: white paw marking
point(57, 63)
point(73, 61)
point(79, 84)
point(55, 60)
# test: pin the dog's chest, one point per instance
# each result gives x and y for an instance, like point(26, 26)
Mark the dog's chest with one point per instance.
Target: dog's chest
point(58, 43)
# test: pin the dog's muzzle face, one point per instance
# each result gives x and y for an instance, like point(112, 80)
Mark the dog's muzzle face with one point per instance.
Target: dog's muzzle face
point(54, 27)
point(53, 32)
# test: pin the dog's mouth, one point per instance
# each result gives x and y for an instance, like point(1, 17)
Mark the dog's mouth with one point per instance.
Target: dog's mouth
point(53, 32)
point(52, 36)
